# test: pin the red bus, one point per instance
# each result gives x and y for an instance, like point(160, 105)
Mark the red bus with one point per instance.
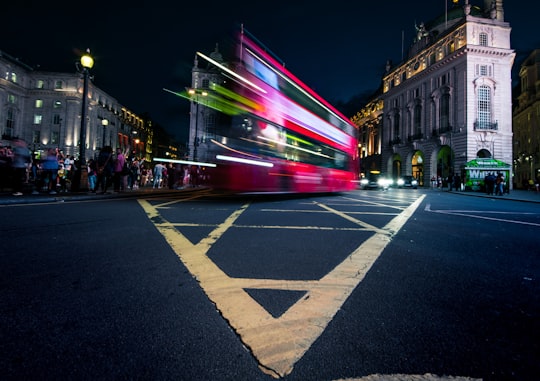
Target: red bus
point(275, 134)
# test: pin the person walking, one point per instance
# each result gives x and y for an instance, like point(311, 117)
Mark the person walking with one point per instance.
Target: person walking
point(104, 169)
point(119, 162)
point(499, 187)
point(158, 175)
point(49, 169)
point(489, 182)
point(19, 163)
point(92, 175)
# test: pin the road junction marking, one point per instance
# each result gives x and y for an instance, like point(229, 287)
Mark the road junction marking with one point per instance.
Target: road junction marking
point(277, 342)
point(471, 214)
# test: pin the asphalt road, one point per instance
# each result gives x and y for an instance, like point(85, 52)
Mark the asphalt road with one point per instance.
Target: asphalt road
point(363, 285)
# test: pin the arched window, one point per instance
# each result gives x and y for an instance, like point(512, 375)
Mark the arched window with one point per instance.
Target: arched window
point(484, 107)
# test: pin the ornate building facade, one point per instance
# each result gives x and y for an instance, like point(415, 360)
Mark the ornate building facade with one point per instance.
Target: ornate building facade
point(203, 115)
point(44, 109)
point(527, 122)
point(450, 100)
point(369, 121)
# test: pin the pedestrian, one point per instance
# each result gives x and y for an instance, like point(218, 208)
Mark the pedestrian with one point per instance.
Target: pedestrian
point(19, 163)
point(92, 175)
point(158, 175)
point(49, 172)
point(499, 183)
point(171, 175)
point(105, 169)
point(489, 183)
point(119, 162)
point(457, 182)
point(144, 176)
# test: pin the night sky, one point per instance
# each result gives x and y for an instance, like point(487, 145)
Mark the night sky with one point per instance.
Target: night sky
point(339, 51)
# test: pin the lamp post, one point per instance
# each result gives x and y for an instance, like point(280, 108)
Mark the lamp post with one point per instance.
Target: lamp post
point(85, 65)
point(104, 123)
point(194, 94)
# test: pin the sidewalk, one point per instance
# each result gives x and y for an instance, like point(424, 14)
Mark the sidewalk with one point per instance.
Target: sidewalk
point(514, 195)
point(7, 198)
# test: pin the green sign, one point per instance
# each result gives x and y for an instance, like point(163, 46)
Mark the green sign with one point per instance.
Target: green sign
point(476, 171)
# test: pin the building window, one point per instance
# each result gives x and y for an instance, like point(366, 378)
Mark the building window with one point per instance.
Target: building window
point(10, 122)
point(417, 117)
point(205, 83)
point(445, 113)
point(54, 137)
point(483, 70)
point(40, 84)
point(38, 118)
point(58, 85)
point(10, 76)
point(396, 126)
point(483, 39)
point(35, 137)
point(57, 104)
point(56, 119)
point(12, 99)
point(484, 107)
point(38, 103)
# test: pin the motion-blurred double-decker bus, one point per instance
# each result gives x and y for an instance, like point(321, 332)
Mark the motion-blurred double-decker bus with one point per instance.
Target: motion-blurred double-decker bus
point(275, 133)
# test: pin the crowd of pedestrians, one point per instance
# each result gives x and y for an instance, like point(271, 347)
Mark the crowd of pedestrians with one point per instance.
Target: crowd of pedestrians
point(23, 171)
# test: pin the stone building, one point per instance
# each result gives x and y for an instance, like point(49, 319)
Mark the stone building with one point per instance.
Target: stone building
point(527, 122)
point(450, 100)
point(369, 120)
point(44, 109)
point(203, 115)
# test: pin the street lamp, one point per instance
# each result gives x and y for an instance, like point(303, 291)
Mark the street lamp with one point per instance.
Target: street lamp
point(85, 65)
point(194, 94)
point(104, 123)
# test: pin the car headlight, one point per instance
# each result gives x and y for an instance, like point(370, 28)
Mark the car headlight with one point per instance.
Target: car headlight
point(414, 182)
point(400, 182)
point(364, 181)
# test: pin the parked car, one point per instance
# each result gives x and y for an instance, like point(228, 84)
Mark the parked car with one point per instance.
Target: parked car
point(375, 181)
point(407, 182)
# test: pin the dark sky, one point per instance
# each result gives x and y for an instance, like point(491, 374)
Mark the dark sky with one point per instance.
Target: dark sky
point(338, 48)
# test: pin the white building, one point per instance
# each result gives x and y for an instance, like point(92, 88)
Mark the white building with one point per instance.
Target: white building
point(44, 109)
point(450, 100)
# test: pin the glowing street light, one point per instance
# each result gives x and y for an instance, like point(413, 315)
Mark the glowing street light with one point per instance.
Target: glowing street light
point(104, 123)
point(87, 62)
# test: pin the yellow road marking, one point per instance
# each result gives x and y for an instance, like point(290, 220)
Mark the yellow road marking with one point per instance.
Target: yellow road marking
point(278, 343)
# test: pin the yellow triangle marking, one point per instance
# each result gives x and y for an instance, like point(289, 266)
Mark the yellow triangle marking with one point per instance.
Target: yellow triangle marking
point(278, 343)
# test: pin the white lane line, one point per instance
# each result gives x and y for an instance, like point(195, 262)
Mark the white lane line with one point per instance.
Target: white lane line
point(461, 213)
